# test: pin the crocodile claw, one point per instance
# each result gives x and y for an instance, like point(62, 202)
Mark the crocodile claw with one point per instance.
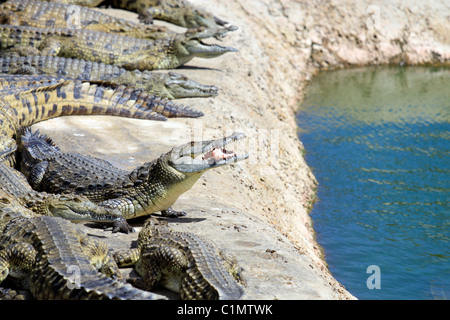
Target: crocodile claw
point(122, 226)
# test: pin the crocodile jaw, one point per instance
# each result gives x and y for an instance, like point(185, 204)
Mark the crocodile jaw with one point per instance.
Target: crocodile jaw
point(185, 159)
point(78, 209)
point(181, 87)
point(198, 48)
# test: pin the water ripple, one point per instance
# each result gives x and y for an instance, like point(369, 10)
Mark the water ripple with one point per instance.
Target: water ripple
point(378, 142)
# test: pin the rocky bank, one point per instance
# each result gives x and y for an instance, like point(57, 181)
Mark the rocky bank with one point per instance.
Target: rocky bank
point(258, 209)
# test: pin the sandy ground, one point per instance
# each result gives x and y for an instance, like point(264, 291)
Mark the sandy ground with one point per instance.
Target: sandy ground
point(258, 209)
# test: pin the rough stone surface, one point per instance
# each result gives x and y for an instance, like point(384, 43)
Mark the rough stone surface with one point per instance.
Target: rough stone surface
point(258, 209)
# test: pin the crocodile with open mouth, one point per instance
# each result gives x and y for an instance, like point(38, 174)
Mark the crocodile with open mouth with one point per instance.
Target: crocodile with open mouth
point(151, 187)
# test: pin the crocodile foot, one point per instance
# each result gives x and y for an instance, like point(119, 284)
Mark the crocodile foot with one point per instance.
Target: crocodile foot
point(172, 213)
point(11, 294)
point(117, 226)
point(122, 226)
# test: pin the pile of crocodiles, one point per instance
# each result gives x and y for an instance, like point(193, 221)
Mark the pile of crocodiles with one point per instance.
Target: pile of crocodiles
point(60, 58)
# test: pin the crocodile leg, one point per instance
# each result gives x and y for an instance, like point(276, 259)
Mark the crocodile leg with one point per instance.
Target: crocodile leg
point(181, 262)
point(50, 47)
point(121, 226)
point(157, 260)
point(98, 254)
point(127, 258)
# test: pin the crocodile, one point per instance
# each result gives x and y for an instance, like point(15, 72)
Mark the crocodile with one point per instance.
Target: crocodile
point(57, 15)
point(54, 260)
point(182, 262)
point(72, 207)
point(178, 12)
point(20, 109)
point(151, 187)
point(127, 52)
point(168, 85)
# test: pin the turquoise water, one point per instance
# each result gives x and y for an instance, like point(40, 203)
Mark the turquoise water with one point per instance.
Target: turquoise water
point(378, 142)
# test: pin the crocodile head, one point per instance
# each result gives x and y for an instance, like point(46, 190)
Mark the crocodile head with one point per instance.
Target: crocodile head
point(161, 181)
point(185, 16)
point(150, 229)
point(191, 44)
point(194, 17)
point(11, 208)
point(197, 48)
point(179, 86)
point(174, 51)
point(78, 208)
point(210, 31)
point(197, 157)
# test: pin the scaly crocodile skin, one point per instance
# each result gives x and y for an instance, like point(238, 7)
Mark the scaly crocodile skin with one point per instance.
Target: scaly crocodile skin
point(53, 260)
point(126, 52)
point(165, 85)
point(19, 109)
point(151, 187)
point(182, 262)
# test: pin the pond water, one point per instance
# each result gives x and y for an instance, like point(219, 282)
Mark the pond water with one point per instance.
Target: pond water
point(378, 142)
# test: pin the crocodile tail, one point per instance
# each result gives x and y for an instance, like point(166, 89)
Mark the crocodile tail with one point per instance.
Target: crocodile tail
point(7, 156)
point(137, 103)
point(74, 97)
point(16, 82)
point(145, 103)
point(170, 109)
point(39, 145)
point(61, 282)
point(121, 101)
